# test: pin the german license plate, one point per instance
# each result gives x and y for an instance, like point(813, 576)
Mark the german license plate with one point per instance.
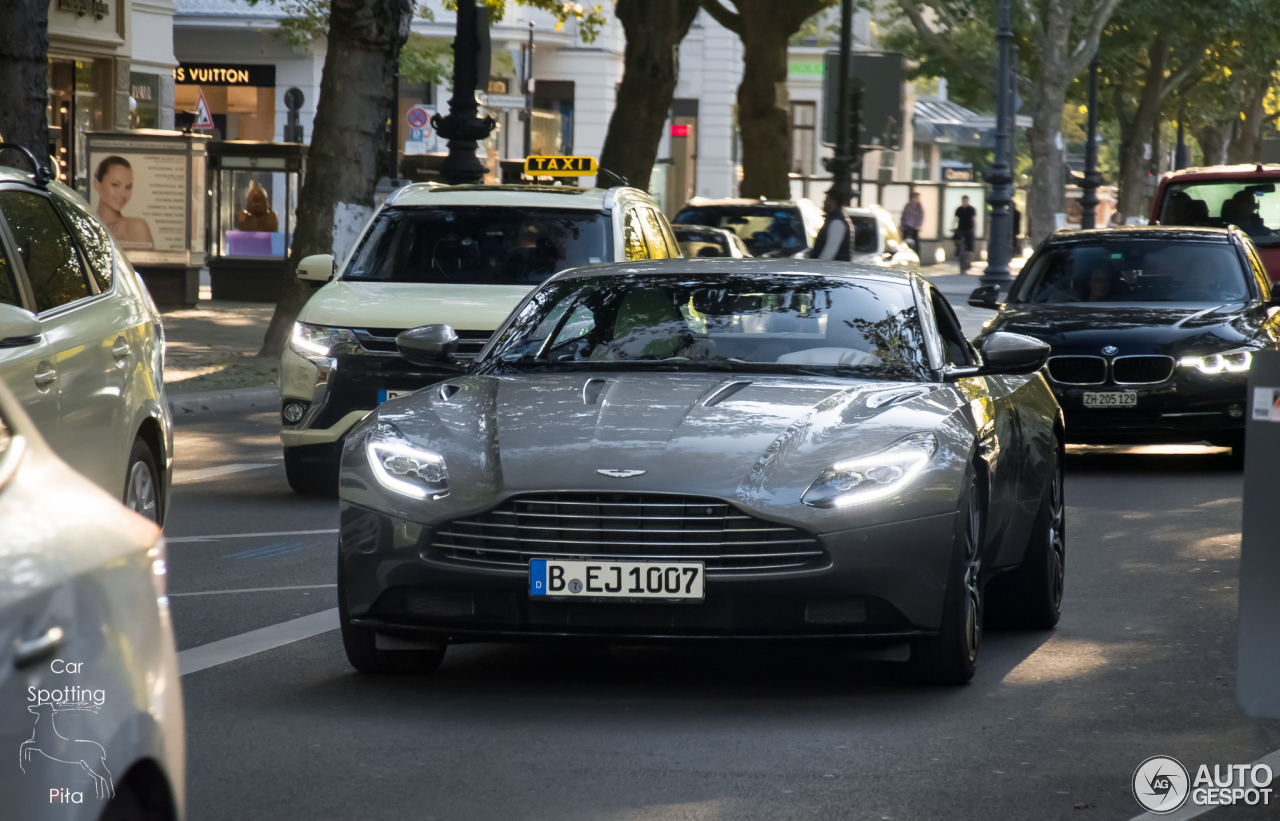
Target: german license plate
point(1110, 399)
point(383, 396)
point(616, 580)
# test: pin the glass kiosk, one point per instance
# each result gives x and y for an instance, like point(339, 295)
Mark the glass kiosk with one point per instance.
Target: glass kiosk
point(253, 197)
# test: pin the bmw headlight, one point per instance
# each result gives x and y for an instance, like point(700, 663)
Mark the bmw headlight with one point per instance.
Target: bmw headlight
point(406, 468)
point(875, 476)
point(1237, 361)
point(316, 341)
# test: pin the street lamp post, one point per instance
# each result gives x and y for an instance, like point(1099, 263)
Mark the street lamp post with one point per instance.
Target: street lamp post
point(1089, 194)
point(841, 164)
point(999, 244)
point(463, 126)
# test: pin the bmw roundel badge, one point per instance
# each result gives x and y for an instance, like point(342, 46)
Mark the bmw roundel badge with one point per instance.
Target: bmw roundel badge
point(1110, 350)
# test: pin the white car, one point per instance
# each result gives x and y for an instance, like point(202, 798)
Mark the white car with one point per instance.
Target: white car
point(91, 722)
point(462, 256)
point(81, 345)
point(877, 240)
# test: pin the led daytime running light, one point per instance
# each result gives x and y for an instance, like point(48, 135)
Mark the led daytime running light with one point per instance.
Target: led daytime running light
point(1216, 363)
point(397, 464)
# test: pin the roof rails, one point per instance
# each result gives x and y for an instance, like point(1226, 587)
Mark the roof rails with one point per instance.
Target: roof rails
point(42, 174)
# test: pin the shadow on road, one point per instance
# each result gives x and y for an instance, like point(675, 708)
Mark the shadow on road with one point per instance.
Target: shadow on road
point(1161, 459)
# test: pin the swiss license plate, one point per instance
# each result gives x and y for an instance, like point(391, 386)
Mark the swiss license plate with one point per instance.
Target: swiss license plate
point(1110, 399)
point(383, 396)
point(615, 580)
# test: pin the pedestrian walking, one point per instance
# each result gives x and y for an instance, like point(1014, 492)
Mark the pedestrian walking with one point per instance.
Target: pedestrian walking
point(963, 228)
point(912, 220)
point(835, 240)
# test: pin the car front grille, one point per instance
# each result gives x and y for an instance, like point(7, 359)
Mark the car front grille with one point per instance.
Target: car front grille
point(629, 527)
point(383, 340)
point(1141, 370)
point(1078, 370)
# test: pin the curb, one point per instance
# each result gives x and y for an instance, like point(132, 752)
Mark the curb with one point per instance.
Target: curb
point(238, 399)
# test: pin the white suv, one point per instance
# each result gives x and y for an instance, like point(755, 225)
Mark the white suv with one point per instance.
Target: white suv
point(462, 256)
point(81, 346)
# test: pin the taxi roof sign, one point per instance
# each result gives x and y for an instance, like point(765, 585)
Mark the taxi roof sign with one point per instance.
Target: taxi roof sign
point(560, 166)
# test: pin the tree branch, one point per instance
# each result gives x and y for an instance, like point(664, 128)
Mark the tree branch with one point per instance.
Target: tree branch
point(1085, 49)
point(723, 16)
point(979, 72)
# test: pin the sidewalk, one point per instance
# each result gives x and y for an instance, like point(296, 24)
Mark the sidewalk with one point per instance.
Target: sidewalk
point(214, 346)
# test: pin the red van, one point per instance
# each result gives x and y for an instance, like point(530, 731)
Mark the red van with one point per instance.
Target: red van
point(1222, 195)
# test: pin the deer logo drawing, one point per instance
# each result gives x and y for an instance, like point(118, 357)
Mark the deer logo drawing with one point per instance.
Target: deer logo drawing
point(48, 742)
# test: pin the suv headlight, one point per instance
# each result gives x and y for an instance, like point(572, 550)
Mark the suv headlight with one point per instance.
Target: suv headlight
point(1237, 361)
point(316, 341)
point(876, 476)
point(406, 468)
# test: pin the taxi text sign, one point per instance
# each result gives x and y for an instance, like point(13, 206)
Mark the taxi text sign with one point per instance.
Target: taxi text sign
point(560, 166)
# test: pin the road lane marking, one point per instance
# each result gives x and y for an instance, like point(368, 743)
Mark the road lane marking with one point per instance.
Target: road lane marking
point(270, 551)
point(254, 590)
point(184, 476)
point(215, 536)
point(256, 641)
point(1190, 810)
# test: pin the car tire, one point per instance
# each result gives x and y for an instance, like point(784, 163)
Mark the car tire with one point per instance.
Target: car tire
point(127, 805)
point(951, 656)
point(1236, 443)
point(310, 478)
point(143, 493)
point(1032, 594)
point(360, 644)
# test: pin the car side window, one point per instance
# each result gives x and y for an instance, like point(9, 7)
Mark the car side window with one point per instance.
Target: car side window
point(94, 242)
point(54, 269)
point(955, 349)
point(633, 236)
point(653, 232)
point(8, 280)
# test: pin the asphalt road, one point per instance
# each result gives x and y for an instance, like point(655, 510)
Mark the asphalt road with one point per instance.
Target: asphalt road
point(1052, 727)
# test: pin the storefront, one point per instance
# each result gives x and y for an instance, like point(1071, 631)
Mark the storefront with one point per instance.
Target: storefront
point(241, 98)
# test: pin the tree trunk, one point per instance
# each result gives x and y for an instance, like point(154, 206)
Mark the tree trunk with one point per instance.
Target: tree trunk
point(1214, 141)
point(654, 30)
point(762, 110)
point(342, 165)
point(1044, 198)
point(1136, 153)
point(24, 67)
point(1246, 139)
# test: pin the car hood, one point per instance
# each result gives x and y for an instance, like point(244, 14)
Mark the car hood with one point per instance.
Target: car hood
point(756, 438)
point(1133, 328)
point(344, 304)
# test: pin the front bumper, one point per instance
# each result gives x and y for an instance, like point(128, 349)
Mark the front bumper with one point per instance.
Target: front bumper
point(1185, 408)
point(881, 583)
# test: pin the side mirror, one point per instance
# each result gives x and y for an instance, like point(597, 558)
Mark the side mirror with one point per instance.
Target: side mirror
point(18, 327)
point(987, 296)
point(1013, 354)
point(316, 268)
point(430, 346)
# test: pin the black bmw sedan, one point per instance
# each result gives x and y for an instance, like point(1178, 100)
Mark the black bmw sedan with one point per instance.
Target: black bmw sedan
point(1152, 330)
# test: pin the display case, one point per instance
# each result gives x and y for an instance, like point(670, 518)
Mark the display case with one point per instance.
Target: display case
point(253, 197)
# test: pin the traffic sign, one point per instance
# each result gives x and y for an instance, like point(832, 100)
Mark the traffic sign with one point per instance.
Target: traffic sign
point(560, 166)
point(204, 118)
point(418, 117)
point(415, 135)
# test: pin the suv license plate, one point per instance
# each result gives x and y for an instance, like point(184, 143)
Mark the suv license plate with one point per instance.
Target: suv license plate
point(616, 580)
point(1110, 399)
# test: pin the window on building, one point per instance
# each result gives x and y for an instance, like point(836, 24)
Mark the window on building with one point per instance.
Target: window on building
point(921, 162)
point(803, 144)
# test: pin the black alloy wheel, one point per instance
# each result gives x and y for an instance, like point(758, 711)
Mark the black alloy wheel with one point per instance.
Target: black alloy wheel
point(1030, 597)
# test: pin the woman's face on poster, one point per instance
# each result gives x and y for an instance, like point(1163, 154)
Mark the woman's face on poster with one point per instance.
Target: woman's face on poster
point(116, 187)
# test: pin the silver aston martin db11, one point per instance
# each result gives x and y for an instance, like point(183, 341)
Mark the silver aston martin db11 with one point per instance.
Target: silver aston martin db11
point(737, 449)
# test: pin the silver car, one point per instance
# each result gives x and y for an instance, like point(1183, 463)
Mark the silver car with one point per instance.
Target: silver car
point(700, 450)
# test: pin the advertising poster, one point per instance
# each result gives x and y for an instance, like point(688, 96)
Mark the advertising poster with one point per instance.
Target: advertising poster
point(143, 197)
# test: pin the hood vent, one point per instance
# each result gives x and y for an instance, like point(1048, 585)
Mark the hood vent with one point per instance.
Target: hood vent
point(447, 391)
point(892, 397)
point(592, 390)
point(724, 392)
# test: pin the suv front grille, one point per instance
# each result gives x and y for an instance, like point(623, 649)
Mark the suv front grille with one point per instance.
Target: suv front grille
point(1078, 370)
point(383, 340)
point(1141, 370)
point(626, 526)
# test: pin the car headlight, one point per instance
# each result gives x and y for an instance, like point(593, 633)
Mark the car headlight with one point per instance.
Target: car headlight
point(875, 476)
point(406, 468)
point(316, 341)
point(1237, 361)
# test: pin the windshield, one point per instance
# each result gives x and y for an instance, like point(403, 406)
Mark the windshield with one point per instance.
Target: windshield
point(481, 245)
point(864, 234)
point(767, 230)
point(1253, 206)
point(774, 323)
point(1135, 271)
point(702, 243)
